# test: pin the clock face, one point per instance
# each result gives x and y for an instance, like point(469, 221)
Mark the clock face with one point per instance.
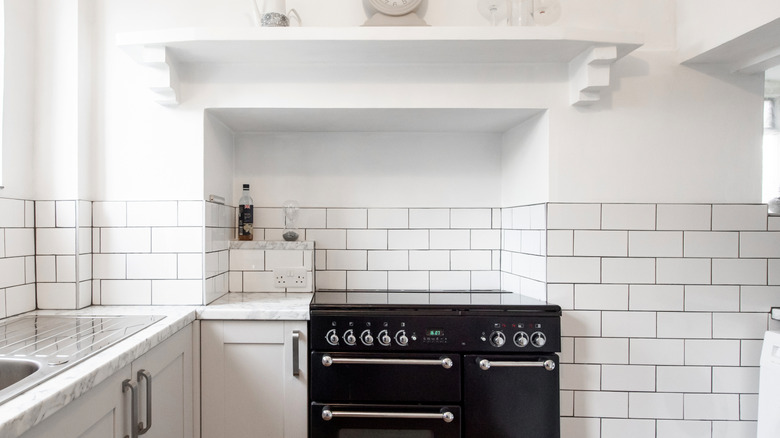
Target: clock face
point(395, 7)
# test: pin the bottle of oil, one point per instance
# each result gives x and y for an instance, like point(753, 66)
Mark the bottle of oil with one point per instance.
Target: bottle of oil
point(246, 215)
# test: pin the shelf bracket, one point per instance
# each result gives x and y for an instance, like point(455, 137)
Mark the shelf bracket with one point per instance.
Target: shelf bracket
point(589, 73)
point(161, 77)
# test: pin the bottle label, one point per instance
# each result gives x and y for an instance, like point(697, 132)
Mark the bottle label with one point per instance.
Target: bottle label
point(245, 221)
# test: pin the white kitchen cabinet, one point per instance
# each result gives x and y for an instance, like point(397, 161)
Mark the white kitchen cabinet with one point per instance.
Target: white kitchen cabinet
point(248, 384)
point(104, 411)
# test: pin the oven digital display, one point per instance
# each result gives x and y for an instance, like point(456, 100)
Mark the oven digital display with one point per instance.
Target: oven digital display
point(434, 332)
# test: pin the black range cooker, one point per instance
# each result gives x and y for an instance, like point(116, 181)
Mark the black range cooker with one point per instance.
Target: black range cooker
point(433, 371)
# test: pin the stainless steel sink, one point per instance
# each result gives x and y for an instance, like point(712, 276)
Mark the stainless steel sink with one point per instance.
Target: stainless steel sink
point(33, 348)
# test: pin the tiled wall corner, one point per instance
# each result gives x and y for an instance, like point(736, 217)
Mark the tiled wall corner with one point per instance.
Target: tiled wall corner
point(415, 249)
point(148, 252)
point(524, 250)
point(17, 256)
point(252, 265)
point(665, 306)
point(220, 230)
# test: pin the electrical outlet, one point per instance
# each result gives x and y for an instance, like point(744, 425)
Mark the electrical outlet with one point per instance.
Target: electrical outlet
point(290, 277)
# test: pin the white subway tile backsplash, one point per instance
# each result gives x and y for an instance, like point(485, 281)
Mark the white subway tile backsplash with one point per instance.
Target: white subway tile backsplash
point(55, 241)
point(538, 216)
point(574, 216)
point(268, 218)
point(683, 271)
point(366, 239)
point(387, 218)
point(684, 379)
point(573, 269)
point(655, 243)
point(429, 260)
point(601, 404)
point(711, 406)
point(759, 244)
point(682, 428)
point(125, 292)
point(190, 213)
point(355, 260)
point(177, 292)
point(151, 266)
point(66, 269)
point(580, 427)
point(739, 217)
point(711, 298)
point(620, 428)
point(750, 352)
point(748, 407)
point(656, 297)
point(29, 269)
point(628, 324)
point(12, 213)
point(19, 299)
point(45, 214)
point(65, 212)
point(684, 217)
point(180, 239)
point(247, 260)
point(471, 218)
point(45, 269)
point(12, 272)
point(686, 325)
point(733, 429)
point(485, 239)
point(774, 271)
point(259, 282)
point(152, 213)
point(601, 350)
point(471, 260)
point(580, 377)
point(735, 380)
point(109, 214)
point(739, 271)
point(295, 258)
point(581, 323)
point(562, 295)
point(190, 266)
point(560, 242)
point(657, 352)
point(712, 352)
point(328, 239)
point(335, 280)
point(739, 325)
point(600, 243)
point(370, 280)
point(347, 218)
point(429, 218)
point(485, 280)
point(408, 280)
point(628, 270)
point(450, 280)
point(450, 239)
point(125, 240)
point(711, 244)
point(628, 216)
point(18, 242)
point(759, 298)
point(628, 378)
point(56, 295)
point(407, 239)
point(388, 260)
point(657, 405)
point(601, 297)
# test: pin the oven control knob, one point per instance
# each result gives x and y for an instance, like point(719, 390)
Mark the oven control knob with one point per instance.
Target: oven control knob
point(366, 338)
point(332, 337)
point(538, 339)
point(384, 338)
point(349, 337)
point(497, 339)
point(521, 339)
point(401, 338)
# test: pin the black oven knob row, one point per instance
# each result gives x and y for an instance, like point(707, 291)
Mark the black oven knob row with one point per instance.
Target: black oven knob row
point(332, 337)
point(401, 338)
point(497, 339)
point(349, 337)
point(521, 339)
point(384, 338)
point(538, 339)
point(366, 338)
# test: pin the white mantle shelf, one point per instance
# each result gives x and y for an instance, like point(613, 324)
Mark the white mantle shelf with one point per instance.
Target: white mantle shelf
point(589, 53)
point(752, 52)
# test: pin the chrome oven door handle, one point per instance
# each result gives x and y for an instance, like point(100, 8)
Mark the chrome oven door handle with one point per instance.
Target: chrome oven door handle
point(485, 364)
point(445, 415)
point(444, 362)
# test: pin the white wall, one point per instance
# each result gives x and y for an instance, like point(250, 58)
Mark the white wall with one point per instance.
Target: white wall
point(525, 163)
point(219, 156)
point(17, 150)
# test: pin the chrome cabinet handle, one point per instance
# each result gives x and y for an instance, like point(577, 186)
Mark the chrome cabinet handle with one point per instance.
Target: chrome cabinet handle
point(444, 362)
point(485, 364)
point(129, 385)
point(146, 375)
point(446, 416)
point(296, 353)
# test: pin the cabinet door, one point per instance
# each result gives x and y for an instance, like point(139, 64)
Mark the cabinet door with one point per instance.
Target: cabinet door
point(103, 412)
point(248, 387)
point(170, 367)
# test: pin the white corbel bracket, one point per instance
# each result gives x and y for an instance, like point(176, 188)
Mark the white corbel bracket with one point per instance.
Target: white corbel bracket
point(589, 74)
point(161, 77)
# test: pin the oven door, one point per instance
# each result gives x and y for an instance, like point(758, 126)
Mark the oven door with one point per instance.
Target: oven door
point(383, 421)
point(511, 396)
point(385, 378)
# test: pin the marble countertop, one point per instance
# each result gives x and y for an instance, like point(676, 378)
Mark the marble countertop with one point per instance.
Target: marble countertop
point(258, 306)
point(24, 411)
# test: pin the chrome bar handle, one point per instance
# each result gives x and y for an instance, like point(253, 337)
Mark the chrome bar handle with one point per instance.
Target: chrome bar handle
point(146, 375)
point(128, 384)
point(446, 416)
point(485, 364)
point(444, 362)
point(296, 353)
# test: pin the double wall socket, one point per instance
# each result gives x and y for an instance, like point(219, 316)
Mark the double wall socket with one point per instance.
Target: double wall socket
point(290, 277)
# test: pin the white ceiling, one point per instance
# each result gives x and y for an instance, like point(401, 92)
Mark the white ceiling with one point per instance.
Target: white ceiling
point(371, 119)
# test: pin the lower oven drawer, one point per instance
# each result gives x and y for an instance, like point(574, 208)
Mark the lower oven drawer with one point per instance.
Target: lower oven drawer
point(385, 378)
point(383, 421)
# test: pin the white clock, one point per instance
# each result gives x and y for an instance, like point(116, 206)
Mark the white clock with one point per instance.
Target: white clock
point(395, 13)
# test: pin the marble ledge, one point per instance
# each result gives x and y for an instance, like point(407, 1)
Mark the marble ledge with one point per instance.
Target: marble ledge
point(271, 245)
point(30, 408)
point(258, 306)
